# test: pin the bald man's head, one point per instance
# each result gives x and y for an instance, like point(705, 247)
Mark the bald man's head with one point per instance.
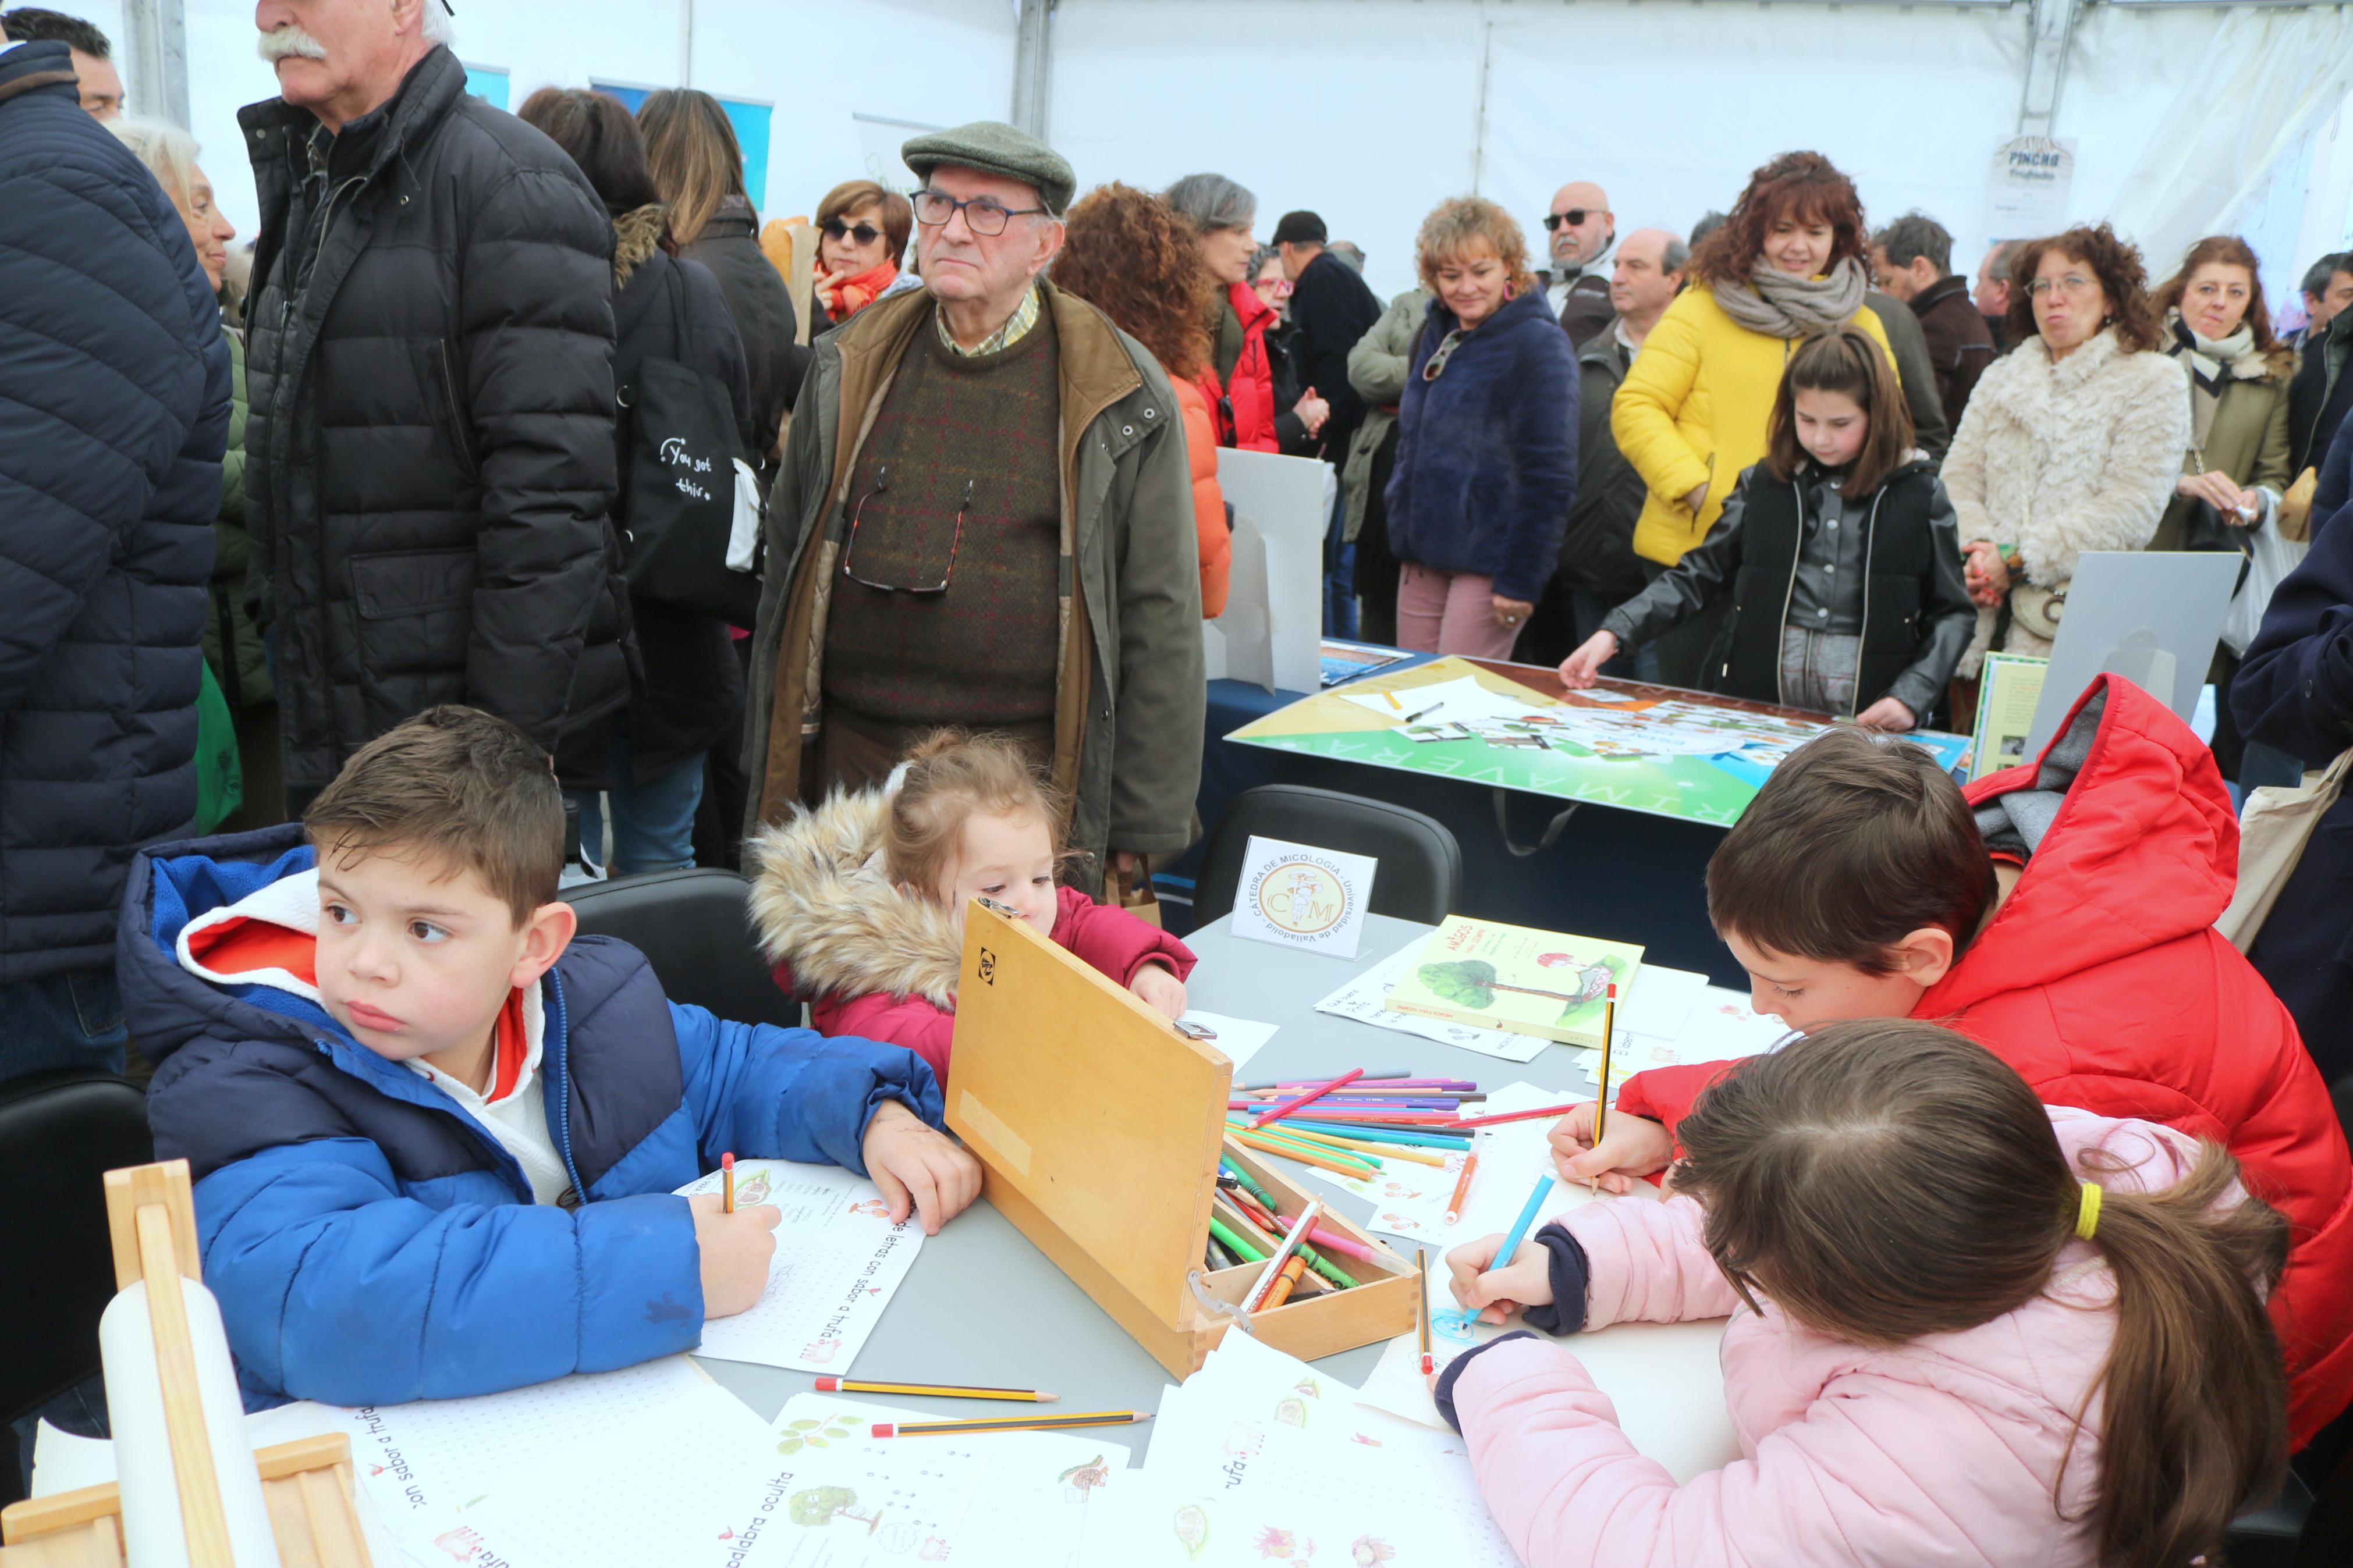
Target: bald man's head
point(1580, 223)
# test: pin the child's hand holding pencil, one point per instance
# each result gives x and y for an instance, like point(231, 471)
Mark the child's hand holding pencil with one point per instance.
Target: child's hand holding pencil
point(1632, 1147)
point(1495, 1293)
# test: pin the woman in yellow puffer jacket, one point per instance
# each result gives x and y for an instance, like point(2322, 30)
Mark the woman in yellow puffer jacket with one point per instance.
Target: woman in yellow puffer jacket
point(1691, 414)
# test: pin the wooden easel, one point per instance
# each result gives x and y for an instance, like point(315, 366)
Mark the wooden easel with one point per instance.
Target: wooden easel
point(307, 1485)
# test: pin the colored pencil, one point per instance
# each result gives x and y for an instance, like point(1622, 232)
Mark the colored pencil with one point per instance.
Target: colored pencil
point(1421, 1277)
point(1232, 1241)
point(1519, 1231)
point(1366, 1146)
point(1299, 1230)
point(1609, 1036)
point(1369, 1078)
point(1341, 1102)
point(1236, 1126)
point(1285, 1282)
point(1288, 1106)
point(1501, 1116)
point(1413, 1137)
point(1243, 1178)
point(1320, 1237)
point(1307, 1154)
point(1009, 1424)
point(727, 1177)
point(1215, 1256)
point(936, 1390)
point(1462, 1186)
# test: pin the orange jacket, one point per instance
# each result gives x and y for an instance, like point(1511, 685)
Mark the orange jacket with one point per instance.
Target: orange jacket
point(1217, 540)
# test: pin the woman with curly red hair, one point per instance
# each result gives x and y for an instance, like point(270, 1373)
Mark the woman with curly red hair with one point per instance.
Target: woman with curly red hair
point(1130, 255)
point(1691, 414)
point(2071, 442)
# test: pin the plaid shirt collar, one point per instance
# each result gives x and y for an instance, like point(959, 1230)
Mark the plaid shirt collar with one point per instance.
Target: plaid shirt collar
point(1017, 327)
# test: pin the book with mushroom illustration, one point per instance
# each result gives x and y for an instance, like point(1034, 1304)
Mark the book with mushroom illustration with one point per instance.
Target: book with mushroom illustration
point(1493, 976)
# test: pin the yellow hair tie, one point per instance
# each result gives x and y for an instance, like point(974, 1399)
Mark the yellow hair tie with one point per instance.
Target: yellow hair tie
point(2087, 1209)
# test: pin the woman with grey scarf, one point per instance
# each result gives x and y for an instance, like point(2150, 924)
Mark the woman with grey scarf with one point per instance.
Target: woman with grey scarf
point(1691, 415)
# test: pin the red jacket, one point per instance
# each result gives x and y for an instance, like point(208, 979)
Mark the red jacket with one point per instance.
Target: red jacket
point(1106, 936)
point(1244, 406)
point(2102, 981)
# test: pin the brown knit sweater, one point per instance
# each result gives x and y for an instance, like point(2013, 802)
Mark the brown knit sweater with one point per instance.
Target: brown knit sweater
point(978, 433)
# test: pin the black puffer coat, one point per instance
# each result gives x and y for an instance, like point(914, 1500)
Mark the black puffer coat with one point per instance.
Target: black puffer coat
point(762, 307)
point(429, 457)
point(691, 689)
point(114, 401)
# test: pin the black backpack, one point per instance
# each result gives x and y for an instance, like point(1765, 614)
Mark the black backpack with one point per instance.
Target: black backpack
point(690, 504)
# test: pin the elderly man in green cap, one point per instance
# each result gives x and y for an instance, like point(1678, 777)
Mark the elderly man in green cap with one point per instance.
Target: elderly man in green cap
point(984, 520)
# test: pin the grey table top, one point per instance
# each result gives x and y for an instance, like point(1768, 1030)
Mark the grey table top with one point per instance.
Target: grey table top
point(984, 1306)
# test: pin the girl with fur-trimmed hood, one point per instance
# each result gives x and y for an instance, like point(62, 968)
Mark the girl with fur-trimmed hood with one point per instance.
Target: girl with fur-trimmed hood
point(859, 902)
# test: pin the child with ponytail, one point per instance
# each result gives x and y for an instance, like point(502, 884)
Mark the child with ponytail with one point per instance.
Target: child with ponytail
point(1965, 1329)
point(1838, 552)
point(861, 903)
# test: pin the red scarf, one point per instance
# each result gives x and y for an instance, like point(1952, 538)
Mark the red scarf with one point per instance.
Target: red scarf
point(853, 295)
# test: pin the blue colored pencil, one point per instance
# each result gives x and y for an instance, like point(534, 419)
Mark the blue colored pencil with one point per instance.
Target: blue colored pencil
point(1519, 1231)
point(1376, 1134)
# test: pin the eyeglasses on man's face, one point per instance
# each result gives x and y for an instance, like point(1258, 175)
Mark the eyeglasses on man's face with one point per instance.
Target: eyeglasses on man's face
point(864, 234)
point(984, 216)
point(1574, 218)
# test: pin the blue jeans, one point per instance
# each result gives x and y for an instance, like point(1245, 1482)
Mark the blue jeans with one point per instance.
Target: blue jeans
point(1339, 574)
point(653, 823)
point(68, 1020)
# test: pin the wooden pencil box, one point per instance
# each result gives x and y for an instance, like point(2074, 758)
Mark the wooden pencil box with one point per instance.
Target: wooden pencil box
point(1100, 1128)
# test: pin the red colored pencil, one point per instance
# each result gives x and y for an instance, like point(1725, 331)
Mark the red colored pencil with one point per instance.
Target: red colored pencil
point(1514, 1116)
point(1288, 1106)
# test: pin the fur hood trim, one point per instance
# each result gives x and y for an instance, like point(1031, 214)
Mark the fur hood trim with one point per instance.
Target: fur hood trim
point(637, 235)
point(822, 905)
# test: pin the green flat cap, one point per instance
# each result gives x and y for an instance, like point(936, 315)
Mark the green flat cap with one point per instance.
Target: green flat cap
point(996, 148)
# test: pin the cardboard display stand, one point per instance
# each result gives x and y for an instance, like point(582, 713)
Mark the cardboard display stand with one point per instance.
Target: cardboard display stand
point(1100, 1128)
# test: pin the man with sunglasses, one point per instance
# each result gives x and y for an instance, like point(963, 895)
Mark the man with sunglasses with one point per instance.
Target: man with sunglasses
point(1581, 229)
point(985, 519)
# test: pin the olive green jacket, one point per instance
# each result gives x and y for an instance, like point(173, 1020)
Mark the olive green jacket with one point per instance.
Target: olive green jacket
point(1376, 369)
point(2248, 441)
point(1131, 695)
point(232, 642)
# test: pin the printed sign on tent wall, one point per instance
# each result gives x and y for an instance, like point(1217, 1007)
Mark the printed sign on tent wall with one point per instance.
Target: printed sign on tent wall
point(2028, 185)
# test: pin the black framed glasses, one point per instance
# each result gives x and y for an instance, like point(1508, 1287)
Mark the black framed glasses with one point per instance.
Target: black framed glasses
point(864, 234)
point(984, 216)
point(1573, 217)
point(850, 550)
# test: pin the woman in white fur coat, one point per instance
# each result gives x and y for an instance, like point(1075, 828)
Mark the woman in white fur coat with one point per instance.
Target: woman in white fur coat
point(2071, 442)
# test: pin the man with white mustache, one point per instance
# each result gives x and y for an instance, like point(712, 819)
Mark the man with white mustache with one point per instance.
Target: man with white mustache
point(430, 458)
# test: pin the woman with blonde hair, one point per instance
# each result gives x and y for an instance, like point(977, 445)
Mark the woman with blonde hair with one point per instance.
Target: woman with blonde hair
point(862, 233)
point(1486, 456)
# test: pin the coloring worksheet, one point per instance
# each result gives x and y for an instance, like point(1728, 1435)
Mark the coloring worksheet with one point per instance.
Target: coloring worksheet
point(1018, 1500)
point(1260, 1458)
point(1410, 1198)
point(838, 1259)
point(1365, 999)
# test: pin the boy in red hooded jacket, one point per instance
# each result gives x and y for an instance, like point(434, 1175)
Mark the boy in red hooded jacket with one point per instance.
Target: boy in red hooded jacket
point(2061, 913)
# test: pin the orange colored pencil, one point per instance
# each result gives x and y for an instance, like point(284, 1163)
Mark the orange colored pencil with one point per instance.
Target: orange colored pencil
point(1462, 1182)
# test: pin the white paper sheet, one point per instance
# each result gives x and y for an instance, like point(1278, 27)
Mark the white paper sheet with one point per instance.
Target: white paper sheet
point(1665, 1379)
point(1018, 1500)
point(839, 1260)
point(1239, 1038)
point(1259, 1459)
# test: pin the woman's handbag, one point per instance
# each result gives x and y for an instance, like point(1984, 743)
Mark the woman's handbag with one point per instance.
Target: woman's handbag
point(690, 503)
point(2036, 609)
point(2277, 825)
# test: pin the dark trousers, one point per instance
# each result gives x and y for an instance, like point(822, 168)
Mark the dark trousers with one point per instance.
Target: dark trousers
point(1682, 652)
point(1376, 570)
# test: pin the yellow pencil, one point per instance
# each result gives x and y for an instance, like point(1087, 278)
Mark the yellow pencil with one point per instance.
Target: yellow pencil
point(1010, 1424)
point(1608, 1038)
point(1368, 1164)
point(938, 1390)
point(1364, 1146)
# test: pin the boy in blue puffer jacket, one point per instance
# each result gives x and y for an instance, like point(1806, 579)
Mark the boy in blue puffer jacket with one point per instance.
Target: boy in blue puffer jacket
point(434, 1138)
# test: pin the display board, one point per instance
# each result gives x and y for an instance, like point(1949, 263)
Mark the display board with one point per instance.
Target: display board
point(1655, 749)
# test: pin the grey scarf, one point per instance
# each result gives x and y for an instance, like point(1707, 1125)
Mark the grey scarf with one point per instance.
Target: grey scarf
point(1783, 305)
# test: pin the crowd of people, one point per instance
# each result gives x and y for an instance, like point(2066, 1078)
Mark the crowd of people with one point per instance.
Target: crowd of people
point(375, 536)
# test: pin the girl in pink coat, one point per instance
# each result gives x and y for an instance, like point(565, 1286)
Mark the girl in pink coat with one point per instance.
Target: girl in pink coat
point(860, 903)
point(1965, 1329)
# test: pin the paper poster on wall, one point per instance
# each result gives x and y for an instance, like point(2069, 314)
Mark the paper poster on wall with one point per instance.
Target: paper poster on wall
point(2028, 187)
